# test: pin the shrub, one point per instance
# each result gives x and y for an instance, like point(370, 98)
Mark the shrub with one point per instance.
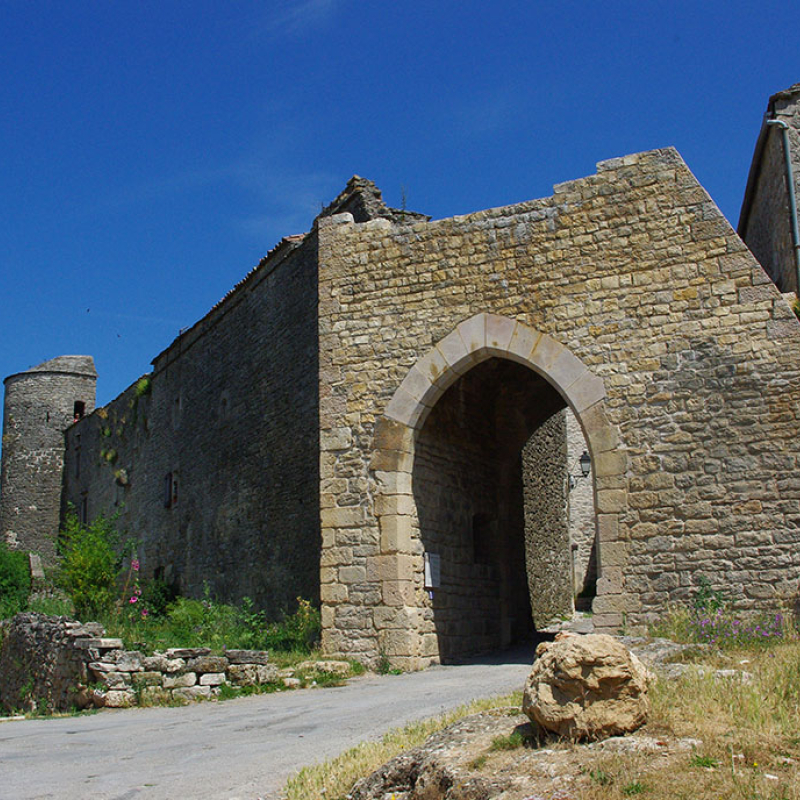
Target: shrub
point(89, 565)
point(15, 581)
point(205, 623)
point(708, 600)
point(157, 595)
point(299, 631)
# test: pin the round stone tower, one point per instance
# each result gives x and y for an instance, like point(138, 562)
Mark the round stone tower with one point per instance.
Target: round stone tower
point(40, 404)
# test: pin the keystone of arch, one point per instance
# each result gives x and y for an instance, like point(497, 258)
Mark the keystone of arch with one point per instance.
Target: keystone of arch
point(479, 338)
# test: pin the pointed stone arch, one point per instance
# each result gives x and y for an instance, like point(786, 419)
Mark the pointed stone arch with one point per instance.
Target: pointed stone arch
point(404, 635)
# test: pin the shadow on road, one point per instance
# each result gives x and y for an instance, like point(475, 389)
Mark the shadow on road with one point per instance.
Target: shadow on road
point(516, 654)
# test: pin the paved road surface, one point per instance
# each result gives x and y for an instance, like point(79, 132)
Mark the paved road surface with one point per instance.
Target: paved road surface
point(243, 749)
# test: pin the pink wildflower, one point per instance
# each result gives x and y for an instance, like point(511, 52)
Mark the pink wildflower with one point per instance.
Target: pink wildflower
point(135, 565)
point(134, 599)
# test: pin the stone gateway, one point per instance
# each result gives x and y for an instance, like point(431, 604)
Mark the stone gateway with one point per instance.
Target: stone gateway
point(388, 392)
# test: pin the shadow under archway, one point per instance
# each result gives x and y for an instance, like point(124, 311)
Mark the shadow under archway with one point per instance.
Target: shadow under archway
point(489, 484)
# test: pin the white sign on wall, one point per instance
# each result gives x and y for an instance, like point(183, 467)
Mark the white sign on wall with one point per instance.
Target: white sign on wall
point(433, 570)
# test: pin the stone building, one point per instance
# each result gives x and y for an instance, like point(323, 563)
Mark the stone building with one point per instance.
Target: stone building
point(385, 413)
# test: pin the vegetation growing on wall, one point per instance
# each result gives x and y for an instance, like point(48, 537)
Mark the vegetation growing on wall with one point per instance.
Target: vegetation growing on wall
point(15, 581)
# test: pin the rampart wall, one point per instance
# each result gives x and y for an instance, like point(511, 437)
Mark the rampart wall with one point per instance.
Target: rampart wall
point(211, 461)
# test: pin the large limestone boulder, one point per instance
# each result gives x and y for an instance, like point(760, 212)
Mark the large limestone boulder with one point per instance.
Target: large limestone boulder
point(586, 687)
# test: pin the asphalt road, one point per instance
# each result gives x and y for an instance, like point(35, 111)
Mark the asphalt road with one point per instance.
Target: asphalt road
point(239, 749)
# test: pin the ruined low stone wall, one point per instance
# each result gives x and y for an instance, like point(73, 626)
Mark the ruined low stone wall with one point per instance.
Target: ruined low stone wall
point(60, 664)
point(42, 662)
point(125, 678)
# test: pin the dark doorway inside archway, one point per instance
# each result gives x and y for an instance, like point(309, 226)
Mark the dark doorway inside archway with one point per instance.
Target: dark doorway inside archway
point(490, 489)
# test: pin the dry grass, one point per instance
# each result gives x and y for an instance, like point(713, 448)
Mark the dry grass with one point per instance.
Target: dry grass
point(749, 734)
point(333, 779)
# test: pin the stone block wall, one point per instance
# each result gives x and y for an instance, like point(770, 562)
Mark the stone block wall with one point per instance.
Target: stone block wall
point(582, 523)
point(226, 426)
point(122, 678)
point(632, 295)
point(766, 224)
point(547, 542)
point(41, 662)
point(39, 405)
point(59, 664)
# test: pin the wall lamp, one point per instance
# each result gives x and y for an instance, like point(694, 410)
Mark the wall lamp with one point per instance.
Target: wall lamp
point(585, 462)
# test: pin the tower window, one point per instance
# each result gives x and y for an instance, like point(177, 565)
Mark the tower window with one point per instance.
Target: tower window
point(78, 410)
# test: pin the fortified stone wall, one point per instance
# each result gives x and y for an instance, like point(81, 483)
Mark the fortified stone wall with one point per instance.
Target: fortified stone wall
point(39, 405)
point(635, 278)
point(765, 223)
point(211, 462)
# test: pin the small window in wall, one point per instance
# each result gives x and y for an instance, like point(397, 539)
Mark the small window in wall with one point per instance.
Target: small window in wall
point(170, 490)
point(83, 511)
point(78, 410)
point(78, 462)
point(482, 538)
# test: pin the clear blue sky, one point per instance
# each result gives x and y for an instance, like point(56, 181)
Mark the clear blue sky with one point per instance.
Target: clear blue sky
point(152, 152)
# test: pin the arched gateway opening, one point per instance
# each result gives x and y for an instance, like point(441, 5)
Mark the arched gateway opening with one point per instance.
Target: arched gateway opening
point(490, 486)
point(472, 492)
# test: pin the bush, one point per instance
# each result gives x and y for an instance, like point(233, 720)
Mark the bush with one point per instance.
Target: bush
point(15, 581)
point(205, 623)
point(89, 566)
point(157, 596)
point(299, 631)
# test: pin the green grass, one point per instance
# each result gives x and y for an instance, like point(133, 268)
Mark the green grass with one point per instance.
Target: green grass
point(51, 605)
point(634, 788)
point(600, 777)
point(206, 623)
point(513, 741)
point(706, 762)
